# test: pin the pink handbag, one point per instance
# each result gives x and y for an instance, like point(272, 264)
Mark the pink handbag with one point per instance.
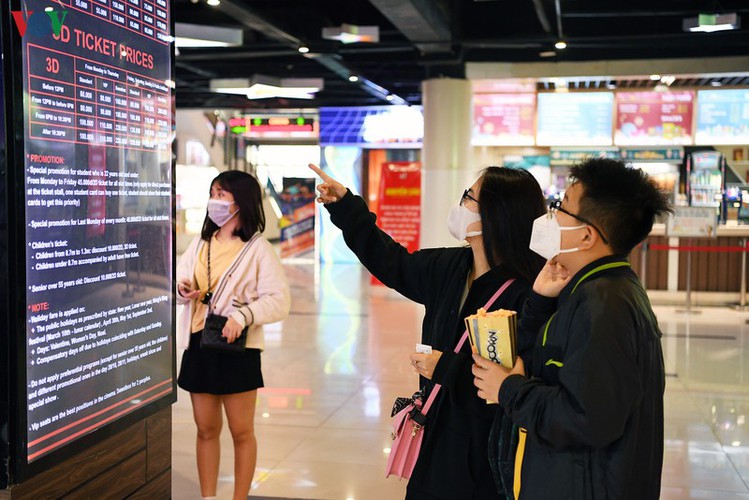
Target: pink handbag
point(408, 423)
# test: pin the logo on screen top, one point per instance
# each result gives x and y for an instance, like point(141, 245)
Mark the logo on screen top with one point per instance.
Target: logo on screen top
point(50, 21)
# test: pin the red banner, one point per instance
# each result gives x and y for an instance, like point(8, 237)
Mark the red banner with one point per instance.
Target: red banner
point(654, 118)
point(399, 209)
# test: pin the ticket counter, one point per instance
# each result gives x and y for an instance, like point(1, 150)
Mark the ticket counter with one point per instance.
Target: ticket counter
point(716, 266)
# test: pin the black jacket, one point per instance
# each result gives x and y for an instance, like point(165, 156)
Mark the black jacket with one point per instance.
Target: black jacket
point(453, 462)
point(593, 407)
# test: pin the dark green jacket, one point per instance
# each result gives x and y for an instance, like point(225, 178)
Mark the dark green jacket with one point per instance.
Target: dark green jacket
point(593, 407)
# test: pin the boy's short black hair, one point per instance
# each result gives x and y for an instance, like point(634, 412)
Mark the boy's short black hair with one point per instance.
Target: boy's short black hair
point(622, 201)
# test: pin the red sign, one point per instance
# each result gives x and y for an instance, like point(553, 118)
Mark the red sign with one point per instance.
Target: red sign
point(504, 119)
point(399, 209)
point(654, 118)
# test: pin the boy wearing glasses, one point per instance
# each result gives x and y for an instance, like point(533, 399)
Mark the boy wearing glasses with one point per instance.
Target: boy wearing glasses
point(587, 394)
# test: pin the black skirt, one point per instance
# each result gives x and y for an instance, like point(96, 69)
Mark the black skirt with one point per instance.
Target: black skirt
point(214, 372)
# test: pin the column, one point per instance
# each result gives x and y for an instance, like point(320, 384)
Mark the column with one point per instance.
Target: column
point(446, 155)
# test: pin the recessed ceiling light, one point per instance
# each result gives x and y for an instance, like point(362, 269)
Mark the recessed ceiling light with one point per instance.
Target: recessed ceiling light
point(390, 97)
point(560, 45)
point(214, 3)
point(655, 78)
point(353, 78)
point(303, 49)
point(716, 83)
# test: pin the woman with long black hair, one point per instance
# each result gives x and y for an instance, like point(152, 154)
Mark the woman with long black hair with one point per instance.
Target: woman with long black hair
point(495, 217)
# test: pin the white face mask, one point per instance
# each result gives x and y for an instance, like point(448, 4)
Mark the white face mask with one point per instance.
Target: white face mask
point(458, 221)
point(546, 237)
point(218, 211)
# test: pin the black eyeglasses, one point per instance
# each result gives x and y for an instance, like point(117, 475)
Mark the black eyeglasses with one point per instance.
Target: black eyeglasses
point(556, 205)
point(466, 195)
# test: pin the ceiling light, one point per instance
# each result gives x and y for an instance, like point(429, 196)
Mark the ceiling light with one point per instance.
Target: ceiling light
point(655, 78)
point(214, 3)
point(716, 83)
point(303, 49)
point(353, 78)
point(547, 53)
point(390, 97)
point(350, 33)
point(198, 35)
point(560, 45)
point(560, 82)
point(668, 80)
point(709, 23)
point(264, 87)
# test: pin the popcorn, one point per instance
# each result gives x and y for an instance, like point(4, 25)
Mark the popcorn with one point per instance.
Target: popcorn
point(493, 335)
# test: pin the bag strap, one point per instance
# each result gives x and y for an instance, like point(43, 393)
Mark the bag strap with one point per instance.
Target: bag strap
point(437, 387)
point(222, 282)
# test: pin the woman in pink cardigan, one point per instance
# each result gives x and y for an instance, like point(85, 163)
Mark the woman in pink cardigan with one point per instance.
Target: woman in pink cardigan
point(231, 270)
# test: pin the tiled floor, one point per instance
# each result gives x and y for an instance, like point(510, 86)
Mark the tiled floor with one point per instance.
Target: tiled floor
point(333, 368)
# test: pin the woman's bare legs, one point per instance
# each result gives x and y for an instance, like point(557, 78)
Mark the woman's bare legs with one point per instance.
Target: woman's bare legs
point(206, 409)
point(240, 413)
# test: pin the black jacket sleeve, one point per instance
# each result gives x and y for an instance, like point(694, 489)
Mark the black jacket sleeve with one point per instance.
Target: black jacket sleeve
point(387, 260)
point(599, 383)
point(535, 313)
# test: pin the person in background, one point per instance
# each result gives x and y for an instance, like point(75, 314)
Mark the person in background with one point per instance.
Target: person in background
point(588, 397)
point(247, 284)
point(495, 217)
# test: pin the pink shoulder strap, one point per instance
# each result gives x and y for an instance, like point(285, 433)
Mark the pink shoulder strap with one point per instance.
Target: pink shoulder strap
point(462, 341)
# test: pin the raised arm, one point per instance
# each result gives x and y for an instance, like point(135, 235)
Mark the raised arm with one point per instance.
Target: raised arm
point(390, 262)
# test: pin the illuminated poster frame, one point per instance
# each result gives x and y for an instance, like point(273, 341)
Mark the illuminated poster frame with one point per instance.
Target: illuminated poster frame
point(721, 117)
point(23, 461)
point(579, 118)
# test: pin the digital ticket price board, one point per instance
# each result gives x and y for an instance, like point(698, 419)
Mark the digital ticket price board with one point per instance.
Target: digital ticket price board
point(94, 112)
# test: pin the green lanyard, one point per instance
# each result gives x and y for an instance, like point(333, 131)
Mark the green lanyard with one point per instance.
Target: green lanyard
point(602, 267)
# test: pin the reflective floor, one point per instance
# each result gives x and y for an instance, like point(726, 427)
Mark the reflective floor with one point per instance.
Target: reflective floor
point(333, 368)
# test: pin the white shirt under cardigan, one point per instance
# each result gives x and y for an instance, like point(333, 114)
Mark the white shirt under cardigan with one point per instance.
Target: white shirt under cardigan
point(253, 287)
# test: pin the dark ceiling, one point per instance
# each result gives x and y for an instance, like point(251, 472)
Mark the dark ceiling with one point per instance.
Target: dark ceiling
point(421, 39)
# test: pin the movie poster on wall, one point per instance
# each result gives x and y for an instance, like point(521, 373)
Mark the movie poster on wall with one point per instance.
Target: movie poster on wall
point(654, 118)
point(297, 203)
